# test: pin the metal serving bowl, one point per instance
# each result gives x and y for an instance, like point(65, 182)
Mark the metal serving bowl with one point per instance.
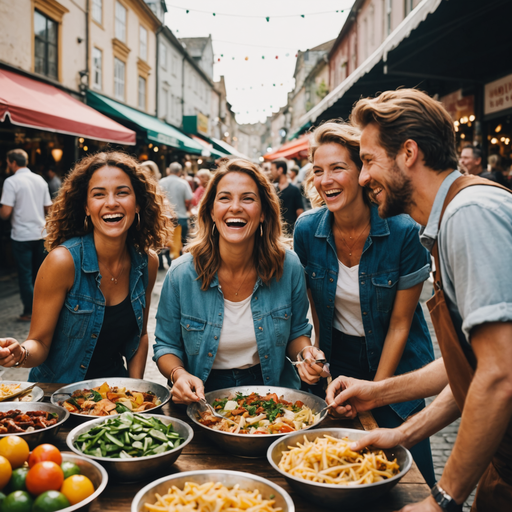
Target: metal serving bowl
point(36, 394)
point(138, 468)
point(246, 445)
point(162, 393)
point(44, 435)
point(246, 481)
point(337, 496)
point(92, 470)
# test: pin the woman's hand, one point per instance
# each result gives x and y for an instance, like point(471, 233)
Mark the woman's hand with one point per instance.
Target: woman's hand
point(187, 389)
point(308, 371)
point(10, 352)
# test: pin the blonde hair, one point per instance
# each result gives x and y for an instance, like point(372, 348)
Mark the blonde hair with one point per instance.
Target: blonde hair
point(153, 167)
point(204, 173)
point(336, 132)
point(269, 249)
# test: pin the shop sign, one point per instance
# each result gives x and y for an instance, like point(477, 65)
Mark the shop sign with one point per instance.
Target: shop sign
point(498, 95)
point(202, 123)
point(457, 105)
point(166, 139)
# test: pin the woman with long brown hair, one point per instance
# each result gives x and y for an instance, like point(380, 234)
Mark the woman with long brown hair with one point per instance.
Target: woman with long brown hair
point(235, 305)
point(92, 293)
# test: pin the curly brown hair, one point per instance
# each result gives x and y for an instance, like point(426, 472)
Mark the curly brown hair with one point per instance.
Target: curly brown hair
point(67, 214)
point(269, 249)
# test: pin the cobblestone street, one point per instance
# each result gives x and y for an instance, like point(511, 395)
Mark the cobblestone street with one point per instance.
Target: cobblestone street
point(10, 308)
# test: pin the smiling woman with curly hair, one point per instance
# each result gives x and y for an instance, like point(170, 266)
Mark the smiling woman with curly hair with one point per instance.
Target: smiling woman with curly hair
point(92, 293)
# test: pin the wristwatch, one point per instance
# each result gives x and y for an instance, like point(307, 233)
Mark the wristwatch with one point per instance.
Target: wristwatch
point(444, 500)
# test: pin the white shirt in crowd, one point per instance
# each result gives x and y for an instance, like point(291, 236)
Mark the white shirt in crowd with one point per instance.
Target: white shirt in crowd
point(28, 195)
point(178, 191)
point(347, 312)
point(237, 343)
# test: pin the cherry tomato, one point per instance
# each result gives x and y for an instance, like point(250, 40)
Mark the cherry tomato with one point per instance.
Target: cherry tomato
point(15, 450)
point(5, 472)
point(45, 452)
point(44, 476)
point(76, 488)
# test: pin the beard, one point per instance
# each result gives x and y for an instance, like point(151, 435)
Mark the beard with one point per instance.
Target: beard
point(398, 192)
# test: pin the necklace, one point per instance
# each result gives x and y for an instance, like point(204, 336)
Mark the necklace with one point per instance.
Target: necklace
point(243, 281)
point(113, 278)
point(350, 247)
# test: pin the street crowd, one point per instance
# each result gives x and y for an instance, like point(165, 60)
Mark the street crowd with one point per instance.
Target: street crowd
point(391, 201)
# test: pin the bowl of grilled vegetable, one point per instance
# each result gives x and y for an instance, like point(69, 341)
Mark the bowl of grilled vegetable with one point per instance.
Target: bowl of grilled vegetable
point(249, 419)
point(36, 422)
point(131, 446)
point(108, 397)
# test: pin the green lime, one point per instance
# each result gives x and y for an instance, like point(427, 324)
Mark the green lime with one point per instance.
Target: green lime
point(50, 501)
point(17, 501)
point(2, 498)
point(17, 481)
point(69, 468)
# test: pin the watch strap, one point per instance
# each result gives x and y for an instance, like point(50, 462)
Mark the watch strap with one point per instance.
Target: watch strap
point(444, 500)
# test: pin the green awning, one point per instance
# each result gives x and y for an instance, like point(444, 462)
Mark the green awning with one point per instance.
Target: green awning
point(300, 131)
point(156, 130)
point(224, 147)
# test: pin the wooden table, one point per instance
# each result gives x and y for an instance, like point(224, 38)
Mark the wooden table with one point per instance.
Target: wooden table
point(201, 454)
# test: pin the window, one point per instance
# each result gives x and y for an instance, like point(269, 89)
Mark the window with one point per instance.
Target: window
point(45, 45)
point(97, 59)
point(174, 65)
point(142, 93)
point(178, 108)
point(164, 103)
point(97, 11)
point(389, 7)
point(163, 56)
point(173, 107)
point(143, 43)
point(119, 71)
point(120, 22)
point(408, 6)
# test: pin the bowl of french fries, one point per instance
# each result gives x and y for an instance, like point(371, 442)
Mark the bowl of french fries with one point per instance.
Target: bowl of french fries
point(320, 466)
point(212, 490)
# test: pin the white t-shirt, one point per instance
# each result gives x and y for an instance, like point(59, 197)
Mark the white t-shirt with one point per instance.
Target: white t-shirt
point(28, 194)
point(237, 343)
point(178, 191)
point(347, 310)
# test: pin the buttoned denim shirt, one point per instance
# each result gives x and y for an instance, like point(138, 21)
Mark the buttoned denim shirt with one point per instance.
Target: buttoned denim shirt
point(392, 259)
point(189, 320)
point(81, 317)
point(475, 243)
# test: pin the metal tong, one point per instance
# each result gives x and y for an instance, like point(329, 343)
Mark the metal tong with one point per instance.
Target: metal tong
point(214, 412)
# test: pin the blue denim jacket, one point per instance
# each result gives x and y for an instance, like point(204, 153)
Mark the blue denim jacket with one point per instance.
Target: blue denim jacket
point(393, 259)
point(189, 320)
point(81, 317)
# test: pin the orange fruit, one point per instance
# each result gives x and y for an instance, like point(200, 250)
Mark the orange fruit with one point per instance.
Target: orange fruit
point(44, 476)
point(76, 488)
point(5, 472)
point(45, 452)
point(15, 449)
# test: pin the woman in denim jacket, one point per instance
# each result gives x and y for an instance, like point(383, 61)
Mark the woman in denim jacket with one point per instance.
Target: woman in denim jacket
point(235, 305)
point(92, 293)
point(364, 277)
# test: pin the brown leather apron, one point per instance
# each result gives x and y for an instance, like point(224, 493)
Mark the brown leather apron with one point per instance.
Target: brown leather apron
point(495, 487)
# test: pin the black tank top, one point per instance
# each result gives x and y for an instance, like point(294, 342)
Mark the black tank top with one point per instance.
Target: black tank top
point(119, 325)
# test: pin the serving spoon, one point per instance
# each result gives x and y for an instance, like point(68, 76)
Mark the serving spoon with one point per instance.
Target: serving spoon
point(19, 393)
point(214, 412)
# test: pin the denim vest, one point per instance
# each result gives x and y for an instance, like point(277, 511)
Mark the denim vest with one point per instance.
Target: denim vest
point(81, 317)
point(189, 320)
point(392, 259)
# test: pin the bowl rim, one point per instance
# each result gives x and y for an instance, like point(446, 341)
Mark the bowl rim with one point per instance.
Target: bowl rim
point(97, 492)
point(83, 383)
point(42, 430)
point(287, 498)
point(38, 397)
point(400, 475)
point(191, 415)
point(72, 433)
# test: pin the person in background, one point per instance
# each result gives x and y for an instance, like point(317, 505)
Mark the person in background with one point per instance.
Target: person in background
point(235, 305)
point(470, 160)
point(203, 177)
point(93, 291)
point(25, 200)
point(289, 195)
point(293, 174)
point(153, 167)
point(54, 183)
point(494, 170)
point(364, 275)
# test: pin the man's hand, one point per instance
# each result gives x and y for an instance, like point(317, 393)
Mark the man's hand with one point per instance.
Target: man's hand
point(352, 396)
point(427, 505)
point(380, 438)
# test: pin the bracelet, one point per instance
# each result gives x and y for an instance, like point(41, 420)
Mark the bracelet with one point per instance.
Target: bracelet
point(27, 353)
point(22, 358)
point(173, 371)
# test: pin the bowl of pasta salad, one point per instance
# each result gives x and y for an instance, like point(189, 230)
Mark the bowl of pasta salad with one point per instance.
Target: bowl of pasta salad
point(253, 417)
point(208, 490)
point(320, 466)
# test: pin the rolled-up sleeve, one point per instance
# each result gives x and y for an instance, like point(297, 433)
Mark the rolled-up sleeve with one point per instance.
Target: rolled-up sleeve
point(414, 260)
point(300, 304)
point(168, 330)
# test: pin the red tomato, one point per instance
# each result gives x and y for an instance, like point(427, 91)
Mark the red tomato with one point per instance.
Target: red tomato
point(45, 452)
point(44, 476)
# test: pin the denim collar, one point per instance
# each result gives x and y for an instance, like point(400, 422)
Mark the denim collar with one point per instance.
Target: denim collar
point(378, 226)
point(90, 259)
point(428, 234)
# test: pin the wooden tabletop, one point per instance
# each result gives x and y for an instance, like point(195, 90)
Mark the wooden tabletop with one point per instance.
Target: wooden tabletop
point(201, 454)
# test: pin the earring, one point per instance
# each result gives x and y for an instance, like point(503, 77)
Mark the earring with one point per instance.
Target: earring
point(261, 229)
point(138, 221)
point(213, 229)
point(86, 223)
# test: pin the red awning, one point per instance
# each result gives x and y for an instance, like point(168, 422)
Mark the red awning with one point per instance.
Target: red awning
point(297, 148)
point(38, 105)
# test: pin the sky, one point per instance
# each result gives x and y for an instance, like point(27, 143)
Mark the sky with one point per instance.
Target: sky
point(257, 57)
